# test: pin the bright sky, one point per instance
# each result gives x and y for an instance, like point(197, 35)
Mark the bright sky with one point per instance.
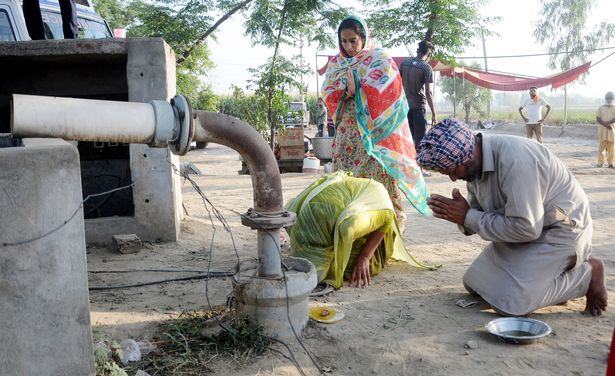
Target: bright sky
point(233, 53)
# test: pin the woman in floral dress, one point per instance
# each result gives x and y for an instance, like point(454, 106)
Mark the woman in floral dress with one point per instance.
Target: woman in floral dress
point(364, 94)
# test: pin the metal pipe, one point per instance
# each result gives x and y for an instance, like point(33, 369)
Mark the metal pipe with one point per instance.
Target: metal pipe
point(82, 119)
point(240, 136)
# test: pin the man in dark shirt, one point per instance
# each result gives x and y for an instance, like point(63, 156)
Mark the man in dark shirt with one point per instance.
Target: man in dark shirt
point(417, 77)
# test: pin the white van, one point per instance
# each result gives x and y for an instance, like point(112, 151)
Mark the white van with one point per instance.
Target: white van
point(13, 24)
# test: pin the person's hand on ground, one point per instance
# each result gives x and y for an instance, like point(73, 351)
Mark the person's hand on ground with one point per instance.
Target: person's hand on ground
point(451, 209)
point(360, 273)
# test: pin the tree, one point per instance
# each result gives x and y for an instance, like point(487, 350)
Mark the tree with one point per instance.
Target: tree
point(183, 24)
point(563, 30)
point(114, 13)
point(451, 25)
point(248, 108)
point(276, 22)
point(282, 77)
point(470, 96)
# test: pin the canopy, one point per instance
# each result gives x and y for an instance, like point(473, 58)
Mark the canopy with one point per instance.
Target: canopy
point(509, 82)
point(496, 81)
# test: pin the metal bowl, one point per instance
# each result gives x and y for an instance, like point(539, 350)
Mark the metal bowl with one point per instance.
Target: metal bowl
point(518, 330)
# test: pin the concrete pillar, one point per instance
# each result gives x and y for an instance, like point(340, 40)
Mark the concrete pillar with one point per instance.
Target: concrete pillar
point(44, 304)
point(150, 72)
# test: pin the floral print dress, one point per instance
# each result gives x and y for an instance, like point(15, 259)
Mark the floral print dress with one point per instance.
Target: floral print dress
point(349, 154)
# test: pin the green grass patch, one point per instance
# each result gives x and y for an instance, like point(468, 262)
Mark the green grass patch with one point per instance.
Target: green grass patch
point(556, 117)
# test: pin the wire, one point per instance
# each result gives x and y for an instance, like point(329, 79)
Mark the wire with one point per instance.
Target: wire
point(532, 55)
point(221, 218)
point(200, 276)
point(155, 271)
point(604, 58)
point(21, 242)
point(104, 201)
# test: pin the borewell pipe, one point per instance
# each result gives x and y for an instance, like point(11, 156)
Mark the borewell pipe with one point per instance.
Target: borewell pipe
point(159, 124)
point(241, 137)
point(268, 215)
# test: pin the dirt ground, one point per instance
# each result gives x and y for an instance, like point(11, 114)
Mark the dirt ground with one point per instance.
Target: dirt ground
point(406, 323)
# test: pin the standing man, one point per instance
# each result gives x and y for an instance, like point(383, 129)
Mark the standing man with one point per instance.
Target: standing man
point(530, 207)
point(417, 77)
point(606, 133)
point(534, 119)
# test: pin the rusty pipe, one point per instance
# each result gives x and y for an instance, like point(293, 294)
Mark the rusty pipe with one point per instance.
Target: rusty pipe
point(240, 136)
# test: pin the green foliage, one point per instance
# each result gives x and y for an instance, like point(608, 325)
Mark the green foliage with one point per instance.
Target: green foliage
point(114, 13)
point(562, 29)
point(310, 20)
point(312, 105)
point(450, 24)
point(249, 108)
point(470, 96)
point(556, 117)
point(106, 352)
point(206, 100)
point(184, 350)
point(181, 23)
point(276, 22)
point(276, 80)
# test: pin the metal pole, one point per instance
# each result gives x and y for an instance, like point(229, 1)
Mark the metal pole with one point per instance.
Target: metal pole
point(317, 86)
point(486, 70)
point(454, 93)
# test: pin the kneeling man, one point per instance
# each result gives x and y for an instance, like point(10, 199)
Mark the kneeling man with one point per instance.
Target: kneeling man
point(524, 200)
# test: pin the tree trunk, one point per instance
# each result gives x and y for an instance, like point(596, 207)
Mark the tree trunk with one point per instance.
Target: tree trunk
point(201, 39)
point(431, 23)
point(467, 107)
point(270, 91)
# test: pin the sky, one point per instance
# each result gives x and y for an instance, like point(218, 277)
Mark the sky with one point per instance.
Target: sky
point(233, 54)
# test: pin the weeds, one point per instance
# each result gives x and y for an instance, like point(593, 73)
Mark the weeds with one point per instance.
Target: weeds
point(106, 354)
point(184, 350)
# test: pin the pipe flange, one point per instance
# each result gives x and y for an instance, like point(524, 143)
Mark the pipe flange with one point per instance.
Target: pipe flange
point(268, 221)
point(184, 125)
point(165, 124)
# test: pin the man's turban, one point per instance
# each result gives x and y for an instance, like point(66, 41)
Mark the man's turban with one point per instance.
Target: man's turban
point(448, 143)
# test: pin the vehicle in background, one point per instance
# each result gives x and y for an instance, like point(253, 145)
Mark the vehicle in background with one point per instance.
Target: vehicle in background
point(299, 110)
point(13, 25)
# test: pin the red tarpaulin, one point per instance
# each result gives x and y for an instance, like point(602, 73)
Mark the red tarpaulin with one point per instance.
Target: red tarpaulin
point(509, 82)
point(498, 81)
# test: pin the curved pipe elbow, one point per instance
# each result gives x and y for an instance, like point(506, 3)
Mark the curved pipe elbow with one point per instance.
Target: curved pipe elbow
point(241, 137)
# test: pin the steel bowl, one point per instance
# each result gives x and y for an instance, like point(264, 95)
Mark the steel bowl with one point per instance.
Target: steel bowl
point(518, 330)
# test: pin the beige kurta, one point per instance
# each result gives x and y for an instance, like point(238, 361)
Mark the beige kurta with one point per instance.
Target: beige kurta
point(537, 217)
point(606, 136)
point(606, 112)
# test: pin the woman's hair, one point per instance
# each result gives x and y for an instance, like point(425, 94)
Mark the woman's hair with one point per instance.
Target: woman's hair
point(350, 24)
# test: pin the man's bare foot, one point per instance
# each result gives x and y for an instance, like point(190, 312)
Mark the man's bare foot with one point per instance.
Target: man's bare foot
point(596, 293)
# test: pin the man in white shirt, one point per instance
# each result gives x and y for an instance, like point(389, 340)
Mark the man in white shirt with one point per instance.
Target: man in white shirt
point(534, 119)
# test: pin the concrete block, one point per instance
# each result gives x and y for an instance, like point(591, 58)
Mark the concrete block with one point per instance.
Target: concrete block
point(44, 302)
point(127, 243)
point(133, 69)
